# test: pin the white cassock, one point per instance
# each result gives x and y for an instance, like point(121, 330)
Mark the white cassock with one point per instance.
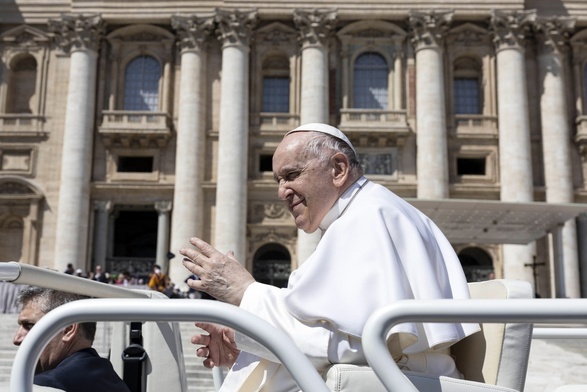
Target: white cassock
point(376, 249)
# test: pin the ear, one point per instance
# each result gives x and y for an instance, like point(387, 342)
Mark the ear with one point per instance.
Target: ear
point(70, 332)
point(340, 169)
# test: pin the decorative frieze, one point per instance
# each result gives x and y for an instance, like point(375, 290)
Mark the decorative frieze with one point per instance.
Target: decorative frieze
point(78, 32)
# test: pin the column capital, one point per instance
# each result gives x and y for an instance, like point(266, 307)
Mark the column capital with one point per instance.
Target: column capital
point(428, 27)
point(554, 33)
point(315, 26)
point(509, 29)
point(103, 206)
point(77, 32)
point(163, 206)
point(235, 27)
point(192, 31)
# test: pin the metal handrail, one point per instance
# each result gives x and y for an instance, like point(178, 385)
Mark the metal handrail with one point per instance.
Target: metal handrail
point(473, 310)
point(20, 273)
point(88, 310)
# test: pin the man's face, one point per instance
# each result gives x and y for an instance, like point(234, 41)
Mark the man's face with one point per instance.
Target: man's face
point(305, 184)
point(54, 352)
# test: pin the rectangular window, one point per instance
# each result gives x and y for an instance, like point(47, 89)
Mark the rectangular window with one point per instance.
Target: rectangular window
point(471, 166)
point(275, 95)
point(135, 164)
point(265, 163)
point(466, 94)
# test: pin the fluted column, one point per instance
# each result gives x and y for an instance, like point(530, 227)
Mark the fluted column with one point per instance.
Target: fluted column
point(188, 198)
point(315, 28)
point(556, 135)
point(231, 193)
point(103, 210)
point(515, 150)
point(428, 29)
point(163, 209)
point(80, 36)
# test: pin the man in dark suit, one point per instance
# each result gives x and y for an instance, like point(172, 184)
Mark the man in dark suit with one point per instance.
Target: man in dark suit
point(68, 362)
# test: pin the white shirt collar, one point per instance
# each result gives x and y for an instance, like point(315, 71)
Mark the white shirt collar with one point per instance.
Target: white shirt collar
point(342, 203)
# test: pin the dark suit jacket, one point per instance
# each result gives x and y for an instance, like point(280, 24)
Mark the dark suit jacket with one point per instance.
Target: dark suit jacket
point(83, 371)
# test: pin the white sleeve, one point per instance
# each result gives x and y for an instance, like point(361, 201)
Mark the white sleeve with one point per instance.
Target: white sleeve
point(266, 302)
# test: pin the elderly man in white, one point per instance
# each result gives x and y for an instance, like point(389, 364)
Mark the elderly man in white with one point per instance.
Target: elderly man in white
point(375, 249)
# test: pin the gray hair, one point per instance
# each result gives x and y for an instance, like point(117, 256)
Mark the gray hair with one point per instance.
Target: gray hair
point(49, 299)
point(321, 142)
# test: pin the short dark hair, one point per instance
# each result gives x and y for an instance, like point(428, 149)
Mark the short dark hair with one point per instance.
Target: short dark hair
point(49, 299)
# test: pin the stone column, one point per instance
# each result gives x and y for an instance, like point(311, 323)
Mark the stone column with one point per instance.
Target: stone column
point(428, 29)
point(515, 152)
point(315, 28)
point(163, 209)
point(556, 135)
point(398, 73)
point(582, 233)
point(234, 28)
point(80, 36)
point(103, 210)
point(188, 198)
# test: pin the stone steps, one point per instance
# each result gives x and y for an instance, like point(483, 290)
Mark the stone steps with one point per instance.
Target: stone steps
point(199, 378)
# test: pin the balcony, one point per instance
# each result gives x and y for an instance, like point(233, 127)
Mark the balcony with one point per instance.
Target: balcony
point(475, 125)
point(374, 119)
point(275, 122)
point(135, 129)
point(21, 125)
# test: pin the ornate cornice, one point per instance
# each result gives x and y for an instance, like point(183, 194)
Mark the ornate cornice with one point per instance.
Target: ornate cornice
point(78, 32)
point(509, 29)
point(429, 28)
point(235, 27)
point(554, 33)
point(315, 26)
point(192, 31)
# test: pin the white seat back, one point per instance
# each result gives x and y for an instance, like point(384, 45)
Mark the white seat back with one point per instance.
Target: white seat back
point(495, 359)
point(499, 354)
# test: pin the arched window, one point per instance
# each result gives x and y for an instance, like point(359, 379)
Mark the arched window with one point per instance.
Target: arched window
point(141, 84)
point(275, 86)
point(477, 264)
point(11, 227)
point(272, 265)
point(466, 85)
point(22, 87)
point(370, 82)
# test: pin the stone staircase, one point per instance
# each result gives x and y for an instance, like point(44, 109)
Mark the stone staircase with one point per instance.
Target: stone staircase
point(199, 379)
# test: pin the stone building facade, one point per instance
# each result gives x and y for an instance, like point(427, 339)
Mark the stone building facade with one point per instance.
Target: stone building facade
point(127, 129)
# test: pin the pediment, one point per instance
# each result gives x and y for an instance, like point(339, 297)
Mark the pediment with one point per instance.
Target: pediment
point(141, 33)
point(371, 29)
point(25, 35)
point(468, 34)
point(276, 33)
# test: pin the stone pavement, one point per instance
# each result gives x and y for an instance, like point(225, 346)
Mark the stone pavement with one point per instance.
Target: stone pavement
point(553, 363)
point(556, 362)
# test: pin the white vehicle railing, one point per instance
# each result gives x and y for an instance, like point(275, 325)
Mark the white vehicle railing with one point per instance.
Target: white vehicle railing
point(19, 273)
point(277, 341)
point(498, 311)
point(559, 333)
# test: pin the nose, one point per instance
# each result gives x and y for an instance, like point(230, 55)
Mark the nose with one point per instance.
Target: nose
point(19, 336)
point(283, 191)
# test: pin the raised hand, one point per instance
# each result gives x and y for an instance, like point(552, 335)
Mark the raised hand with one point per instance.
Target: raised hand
point(221, 275)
